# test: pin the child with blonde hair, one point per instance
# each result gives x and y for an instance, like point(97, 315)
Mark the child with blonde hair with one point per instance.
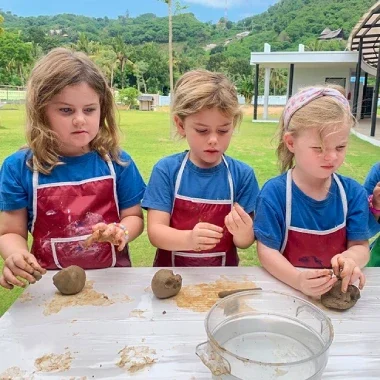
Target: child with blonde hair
point(71, 180)
point(200, 202)
point(309, 216)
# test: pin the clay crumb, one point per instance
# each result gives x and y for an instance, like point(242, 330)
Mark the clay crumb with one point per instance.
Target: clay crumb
point(137, 313)
point(136, 358)
point(54, 362)
point(13, 373)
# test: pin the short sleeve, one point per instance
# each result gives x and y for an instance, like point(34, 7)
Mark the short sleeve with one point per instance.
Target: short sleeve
point(160, 190)
point(248, 191)
point(269, 225)
point(372, 179)
point(129, 183)
point(13, 195)
point(358, 213)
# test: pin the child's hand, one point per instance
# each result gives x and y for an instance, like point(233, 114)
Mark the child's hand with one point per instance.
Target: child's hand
point(315, 282)
point(205, 236)
point(238, 222)
point(21, 264)
point(347, 269)
point(111, 233)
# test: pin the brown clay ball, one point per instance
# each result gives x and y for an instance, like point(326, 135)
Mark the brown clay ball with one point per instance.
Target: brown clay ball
point(335, 299)
point(70, 280)
point(166, 284)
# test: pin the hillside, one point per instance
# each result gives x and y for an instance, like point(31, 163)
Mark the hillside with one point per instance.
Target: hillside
point(139, 45)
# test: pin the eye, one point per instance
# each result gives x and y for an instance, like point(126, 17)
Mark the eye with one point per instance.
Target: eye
point(201, 130)
point(89, 110)
point(340, 148)
point(223, 131)
point(317, 148)
point(65, 110)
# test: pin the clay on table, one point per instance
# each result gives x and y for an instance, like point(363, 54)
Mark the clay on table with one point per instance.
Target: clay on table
point(70, 280)
point(166, 284)
point(336, 299)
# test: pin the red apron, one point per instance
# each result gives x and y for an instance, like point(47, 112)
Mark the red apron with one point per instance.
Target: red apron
point(63, 216)
point(186, 213)
point(313, 248)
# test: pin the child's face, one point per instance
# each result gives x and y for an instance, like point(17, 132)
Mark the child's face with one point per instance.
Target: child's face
point(208, 134)
point(74, 114)
point(319, 156)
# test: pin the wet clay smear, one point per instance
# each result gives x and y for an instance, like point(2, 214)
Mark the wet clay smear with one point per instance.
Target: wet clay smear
point(201, 297)
point(14, 373)
point(136, 358)
point(54, 362)
point(87, 297)
point(25, 297)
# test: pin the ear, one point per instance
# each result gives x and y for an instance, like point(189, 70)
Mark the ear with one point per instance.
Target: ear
point(288, 139)
point(179, 125)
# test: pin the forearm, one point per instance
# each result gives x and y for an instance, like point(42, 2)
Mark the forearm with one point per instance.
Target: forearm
point(278, 266)
point(168, 238)
point(359, 252)
point(245, 240)
point(11, 242)
point(134, 225)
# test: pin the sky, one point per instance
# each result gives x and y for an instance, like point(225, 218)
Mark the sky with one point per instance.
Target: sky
point(204, 10)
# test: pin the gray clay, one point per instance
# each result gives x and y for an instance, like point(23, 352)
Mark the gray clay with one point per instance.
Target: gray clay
point(335, 299)
point(70, 280)
point(166, 284)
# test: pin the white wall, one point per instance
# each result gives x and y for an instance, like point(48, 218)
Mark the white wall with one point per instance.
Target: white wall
point(307, 77)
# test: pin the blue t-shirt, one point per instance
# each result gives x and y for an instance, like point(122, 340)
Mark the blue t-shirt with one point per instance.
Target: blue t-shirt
point(370, 182)
point(16, 189)
point(309, 213)
point(209, 183)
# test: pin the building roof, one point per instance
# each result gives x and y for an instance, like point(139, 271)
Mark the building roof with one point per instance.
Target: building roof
point(305, 59)
point(145, 98)
point(328, 34)
point(367, 30)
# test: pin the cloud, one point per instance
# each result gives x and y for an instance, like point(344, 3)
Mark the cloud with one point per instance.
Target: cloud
point(217, 3)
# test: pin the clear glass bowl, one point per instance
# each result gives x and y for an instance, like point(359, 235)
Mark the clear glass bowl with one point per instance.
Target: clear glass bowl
point(266, 335)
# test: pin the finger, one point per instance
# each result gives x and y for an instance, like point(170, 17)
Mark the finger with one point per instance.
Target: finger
point(122, 244)
point(5, 284)
point(316, 273)
point(231, 222)
point(10, 278)
point(362, 280)
point(345, 283)
point(100, 227)
point(32, 261)
point(320, 281)
point(20, 262)
point(204, 247)
point(209, 226)
point(209, 234)
point(246, 218)
point(236, 218)
point(327, 287)
point(208, 241)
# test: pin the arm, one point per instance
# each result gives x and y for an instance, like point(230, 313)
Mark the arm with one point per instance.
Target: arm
point(14, 249)
point(203, 237)
point(312, 282)
point(133, 219)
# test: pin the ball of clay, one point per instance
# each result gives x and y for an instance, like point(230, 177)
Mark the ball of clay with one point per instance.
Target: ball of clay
point(166, 284)
point(70, 280)
point(335, 299)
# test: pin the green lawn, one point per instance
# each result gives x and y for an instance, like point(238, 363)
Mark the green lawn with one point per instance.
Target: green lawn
point(146, 138)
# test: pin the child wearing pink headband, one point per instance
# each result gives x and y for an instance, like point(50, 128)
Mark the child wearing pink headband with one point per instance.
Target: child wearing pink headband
point(309, 216)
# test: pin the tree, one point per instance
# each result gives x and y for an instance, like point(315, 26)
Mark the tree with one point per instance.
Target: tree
point(128, 96)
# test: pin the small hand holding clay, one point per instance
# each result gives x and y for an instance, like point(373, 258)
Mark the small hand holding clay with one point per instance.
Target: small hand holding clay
point(375, 199)
point(348, 271)
point(314, 282)
point(22, 264)
point(114, 233)
point(166, 284)
point(238, 222)
point(205, 236)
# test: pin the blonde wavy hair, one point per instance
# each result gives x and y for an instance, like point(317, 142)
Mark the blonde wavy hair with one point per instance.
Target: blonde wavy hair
point(50, 75)
point(199, 89)
point(326, 114)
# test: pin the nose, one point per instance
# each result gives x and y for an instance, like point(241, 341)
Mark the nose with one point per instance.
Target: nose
point(78, 120)
point(213, 139)
point(330, 155)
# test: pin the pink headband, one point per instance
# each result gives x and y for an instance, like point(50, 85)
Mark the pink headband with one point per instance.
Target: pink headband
point(304, 97)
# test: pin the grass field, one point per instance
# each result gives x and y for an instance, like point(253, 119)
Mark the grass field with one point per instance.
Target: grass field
point(146, 137)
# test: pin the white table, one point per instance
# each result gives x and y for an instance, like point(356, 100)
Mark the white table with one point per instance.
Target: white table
point(125, 314)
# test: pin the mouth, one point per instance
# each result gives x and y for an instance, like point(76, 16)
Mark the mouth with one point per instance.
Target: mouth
point(211, 151)
point(79, 132)
point(328, 167)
